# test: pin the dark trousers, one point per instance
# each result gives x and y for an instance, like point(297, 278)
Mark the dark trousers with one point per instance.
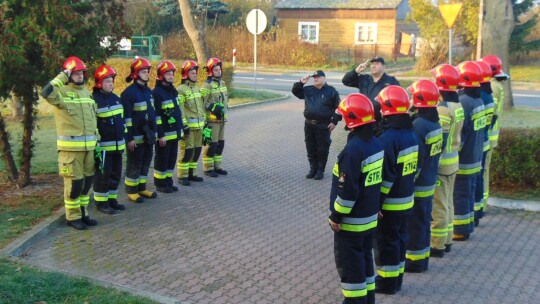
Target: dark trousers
point(106, 182)
point(164, 163)
point(354, 262)
point(317, 137)
point(392, 239)
point(137, 166)
point(479, 193)
point(464, 190)
point(418, 248)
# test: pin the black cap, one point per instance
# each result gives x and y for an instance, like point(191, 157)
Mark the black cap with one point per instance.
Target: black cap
point(318, 73)
point(377, 59)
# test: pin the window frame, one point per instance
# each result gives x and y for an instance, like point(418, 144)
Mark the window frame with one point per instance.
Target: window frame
point(367, 25)
point(309, 23)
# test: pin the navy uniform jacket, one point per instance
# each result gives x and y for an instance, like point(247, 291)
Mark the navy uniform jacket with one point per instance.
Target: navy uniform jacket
point(320, 104)
point(489, 109)
point(110, 121)
point(430, 146)
point(472, 134)
point(168, 114)
point(356, 185)
point(399, 170)
point(138, 111)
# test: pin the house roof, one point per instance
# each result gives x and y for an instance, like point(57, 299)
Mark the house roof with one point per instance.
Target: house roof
point(338, 4)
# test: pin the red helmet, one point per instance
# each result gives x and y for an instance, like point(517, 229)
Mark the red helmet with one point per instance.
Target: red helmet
point(164, 67)
point(486, 71)
point(211, 63)
point(425, 94)
point(446, 77)
point(393, 100)
point(74, 64)
point(187, 66)
point(470, 74)
point(137, 65)
point(102, 72)
point(496, 65)
point(357, 110)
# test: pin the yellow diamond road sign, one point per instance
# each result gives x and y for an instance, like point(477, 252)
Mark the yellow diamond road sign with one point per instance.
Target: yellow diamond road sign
point(450, 11)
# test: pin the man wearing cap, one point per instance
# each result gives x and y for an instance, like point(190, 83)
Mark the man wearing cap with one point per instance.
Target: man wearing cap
point(321, 101)
point(370, 85)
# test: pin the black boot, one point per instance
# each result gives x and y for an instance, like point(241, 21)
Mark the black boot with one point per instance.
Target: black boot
point(311, 173)
point(184, 181)
point(211, 173)
point(448, 247)
point(164, 189)
point(105, 207)
point(194, 178)
point(77, 224)
point(86, 218)
point(436, 253)
point(319, 175)
point(115, 205)
point(221, 172)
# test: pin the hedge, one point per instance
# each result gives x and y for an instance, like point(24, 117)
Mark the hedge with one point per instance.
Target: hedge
point(515, 163)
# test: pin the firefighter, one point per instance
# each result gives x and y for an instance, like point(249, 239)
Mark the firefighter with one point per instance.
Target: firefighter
point(425, 95)
point(169, 126)
point(193, 117)
point(470, 153)
point(111, 145)
point(397, 188)
point(354, 200)
point(75, 118)
point(216, 104)
point(489, 109)
point(451, 118)
point(141, 130)
point(321, 101)
point(498, 98)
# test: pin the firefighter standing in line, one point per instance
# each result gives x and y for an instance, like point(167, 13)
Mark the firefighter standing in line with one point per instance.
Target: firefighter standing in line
point(397, 189)
point(75, 118)
point(498, 98)
point(111, 144)
point(489, 109)
point(354, 200)
point(217, 104)
point(451, 118)
point(194, 118)
point(141, 130)
point(470, 153)
point(425, 95)
point(321, 101)
point(169, 125)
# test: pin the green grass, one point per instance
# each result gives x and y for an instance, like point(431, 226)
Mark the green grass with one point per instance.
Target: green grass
point(529, 195)
point(24, 284)
point(525, 73)
point(241, 96)
point(521, 118)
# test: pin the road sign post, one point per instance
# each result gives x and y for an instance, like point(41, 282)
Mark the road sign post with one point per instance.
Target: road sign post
point(449, 12)
point(256, 23)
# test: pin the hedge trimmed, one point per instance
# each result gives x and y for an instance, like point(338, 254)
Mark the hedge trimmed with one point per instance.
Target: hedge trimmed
point(516, 160)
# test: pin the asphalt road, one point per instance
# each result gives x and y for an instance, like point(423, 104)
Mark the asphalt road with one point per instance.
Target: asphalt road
point(284, 82)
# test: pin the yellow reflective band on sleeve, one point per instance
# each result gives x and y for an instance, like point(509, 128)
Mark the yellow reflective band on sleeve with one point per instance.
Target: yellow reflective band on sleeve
point(398, 203)
point(469, 171)
point(343, 206)
point(385, 190)
point(375, 165)
point(359, 224)
point(449, 161)
point(408, 157)
point(335, 170)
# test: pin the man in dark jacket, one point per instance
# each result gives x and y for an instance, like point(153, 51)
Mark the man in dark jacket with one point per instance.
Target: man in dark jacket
point(321, 101)
point(370, 85)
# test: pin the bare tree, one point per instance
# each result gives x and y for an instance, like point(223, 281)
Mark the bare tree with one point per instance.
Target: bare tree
point(496, 32)
point(195, 29)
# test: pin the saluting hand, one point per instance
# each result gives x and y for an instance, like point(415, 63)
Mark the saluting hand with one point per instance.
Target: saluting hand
point(361, 67)
point(305, 79)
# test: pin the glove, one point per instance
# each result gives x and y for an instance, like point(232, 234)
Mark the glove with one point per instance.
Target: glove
point(186, 130)
point(207, 135)
point(149, 135)
point(217, 110)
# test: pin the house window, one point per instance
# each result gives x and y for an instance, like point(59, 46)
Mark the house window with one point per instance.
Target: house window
point(308, 31)
point(366, 33)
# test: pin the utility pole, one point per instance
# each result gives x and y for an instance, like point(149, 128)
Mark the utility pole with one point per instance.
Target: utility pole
point(480, 22)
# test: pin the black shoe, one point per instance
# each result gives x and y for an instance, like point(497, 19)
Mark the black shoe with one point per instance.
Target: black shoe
point(211, 173)
point(164, 189)
point(414, 268)
point(319, 175)
point(448, 248)
point(115, 205)
point(221, 172)
point(77, 224)
point(476, 222)
point(311, 174)
point(174, 188)
point(184, 182)
point(384, 290)
point(105, 207)
point(88, 221)
point(436, 253)
point(195, 178)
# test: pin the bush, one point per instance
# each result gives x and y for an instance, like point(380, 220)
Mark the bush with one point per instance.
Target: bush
point(515, 162)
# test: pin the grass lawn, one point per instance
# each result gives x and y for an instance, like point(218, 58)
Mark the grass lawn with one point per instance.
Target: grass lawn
point(24, 284)
point(521, 118)
point(241, 96)
point(525, 73)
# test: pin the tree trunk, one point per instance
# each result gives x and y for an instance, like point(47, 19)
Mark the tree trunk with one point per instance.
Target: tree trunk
point(27, 148)
point(195, 30)
point(497, 29)
point(5, 151)
point(16, 107)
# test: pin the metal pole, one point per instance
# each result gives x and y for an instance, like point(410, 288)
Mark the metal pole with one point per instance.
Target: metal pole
point(255, 48)
point(450, 46)
point(480, 23)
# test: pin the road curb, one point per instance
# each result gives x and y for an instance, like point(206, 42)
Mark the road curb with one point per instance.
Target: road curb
point(514, 204)
point(282, 97)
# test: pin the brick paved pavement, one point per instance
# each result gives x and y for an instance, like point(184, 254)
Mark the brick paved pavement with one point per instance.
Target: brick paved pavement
point(260, 235)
